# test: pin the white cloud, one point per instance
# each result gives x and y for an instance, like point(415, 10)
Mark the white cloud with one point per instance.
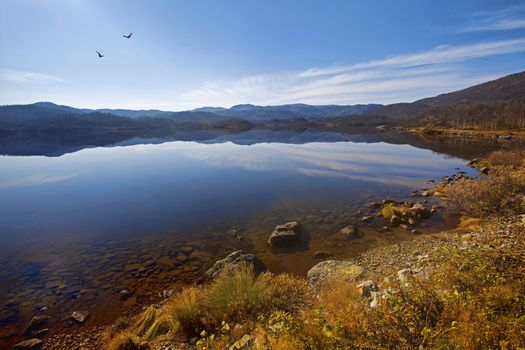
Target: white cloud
point(393, 79)
point(17, 76)
point(35, 180)
point(509, 18)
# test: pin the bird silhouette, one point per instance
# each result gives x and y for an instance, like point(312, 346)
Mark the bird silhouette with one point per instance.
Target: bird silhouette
point(99, 54)
point(127, 36)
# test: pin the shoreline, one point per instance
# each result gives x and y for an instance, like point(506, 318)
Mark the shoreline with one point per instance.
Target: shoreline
point(96, 334)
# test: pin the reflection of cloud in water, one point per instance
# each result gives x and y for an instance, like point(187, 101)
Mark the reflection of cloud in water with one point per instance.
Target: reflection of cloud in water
point(390, 180)
point(35, 180)
point(374, 162)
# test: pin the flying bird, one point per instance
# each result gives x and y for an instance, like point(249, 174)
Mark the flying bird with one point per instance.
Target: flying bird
point(99, 54)
point(127, 36)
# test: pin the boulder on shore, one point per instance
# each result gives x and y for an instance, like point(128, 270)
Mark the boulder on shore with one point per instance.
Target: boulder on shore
point(330, 271)
point(234, 261)
point(286, 235)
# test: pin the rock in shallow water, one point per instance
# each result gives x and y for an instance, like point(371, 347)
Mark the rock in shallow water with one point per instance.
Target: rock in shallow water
point(28, 344)
point(351, 232)
point(234, 261)
point(79, 317)
point(36, 323)
point(322, 254)
point(286, 235)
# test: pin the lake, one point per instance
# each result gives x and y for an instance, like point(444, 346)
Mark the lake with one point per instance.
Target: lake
point(78, 228)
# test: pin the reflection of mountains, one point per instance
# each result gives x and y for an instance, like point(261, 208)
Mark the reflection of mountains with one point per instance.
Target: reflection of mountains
point(465, 148)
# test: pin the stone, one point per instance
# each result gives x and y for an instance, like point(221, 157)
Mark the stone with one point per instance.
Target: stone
point(333, 270)
point(402, 275)
point(374, 205)
point(351, 232)
point(366, 218)
point(28, 344)
point(234, 261)
point(124, 294)
point(285, 235)
point(473, 162)
point(36, 323)
point(485, 170)
point(404, 226)
point(366, 287)
point(415, 232)
point(375, 300)
point(245, 343)
point(322, 254)
point(395, 220)
point(235, 234)
point(79, 317)
point(505, 137)
point(419, 210)
point(133, 267)
point(165, 262)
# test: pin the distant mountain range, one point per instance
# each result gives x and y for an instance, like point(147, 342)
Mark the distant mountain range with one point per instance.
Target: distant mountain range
point(245, 111)
point(503, 92)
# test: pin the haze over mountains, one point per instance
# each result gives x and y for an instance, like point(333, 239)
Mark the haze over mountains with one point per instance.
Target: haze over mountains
point(503, 92)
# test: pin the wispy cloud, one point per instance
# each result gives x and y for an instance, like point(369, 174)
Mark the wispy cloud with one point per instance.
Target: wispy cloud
point(10, 75)
point(35, 180)
point(405, 77)
point(512, 17)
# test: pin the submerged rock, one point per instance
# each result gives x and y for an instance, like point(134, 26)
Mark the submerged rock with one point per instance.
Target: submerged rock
point(124, 294)
point(28, 344)
point(350, 232)
point(234, 261)
point(36, 323)
point(79, 317)
point(285, 235)
point(235, 234)
point(322, 254)
point(329, 271)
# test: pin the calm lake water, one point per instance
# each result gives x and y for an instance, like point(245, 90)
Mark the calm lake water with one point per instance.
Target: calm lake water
point(77, 229)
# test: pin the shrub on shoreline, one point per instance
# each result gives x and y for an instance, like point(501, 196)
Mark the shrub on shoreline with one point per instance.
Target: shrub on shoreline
point(500, 192)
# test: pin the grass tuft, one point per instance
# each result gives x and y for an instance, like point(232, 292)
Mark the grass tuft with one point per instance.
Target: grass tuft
point(145, 320)
point(124, 341)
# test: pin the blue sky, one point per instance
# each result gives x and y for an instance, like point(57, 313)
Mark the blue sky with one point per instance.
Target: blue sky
point(186, 54)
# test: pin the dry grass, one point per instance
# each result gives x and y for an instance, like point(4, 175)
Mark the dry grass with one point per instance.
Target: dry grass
point(501, 192)
point(475, 300)
point(124, 341)
point(505, 158)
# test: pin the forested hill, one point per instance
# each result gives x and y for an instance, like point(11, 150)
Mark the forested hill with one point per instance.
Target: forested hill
point(494, 105)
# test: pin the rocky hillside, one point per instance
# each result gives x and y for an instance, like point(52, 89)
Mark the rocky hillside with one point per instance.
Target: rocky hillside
point(505, 89)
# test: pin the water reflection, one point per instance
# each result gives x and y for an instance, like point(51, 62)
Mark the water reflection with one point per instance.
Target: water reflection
point(77, 229)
